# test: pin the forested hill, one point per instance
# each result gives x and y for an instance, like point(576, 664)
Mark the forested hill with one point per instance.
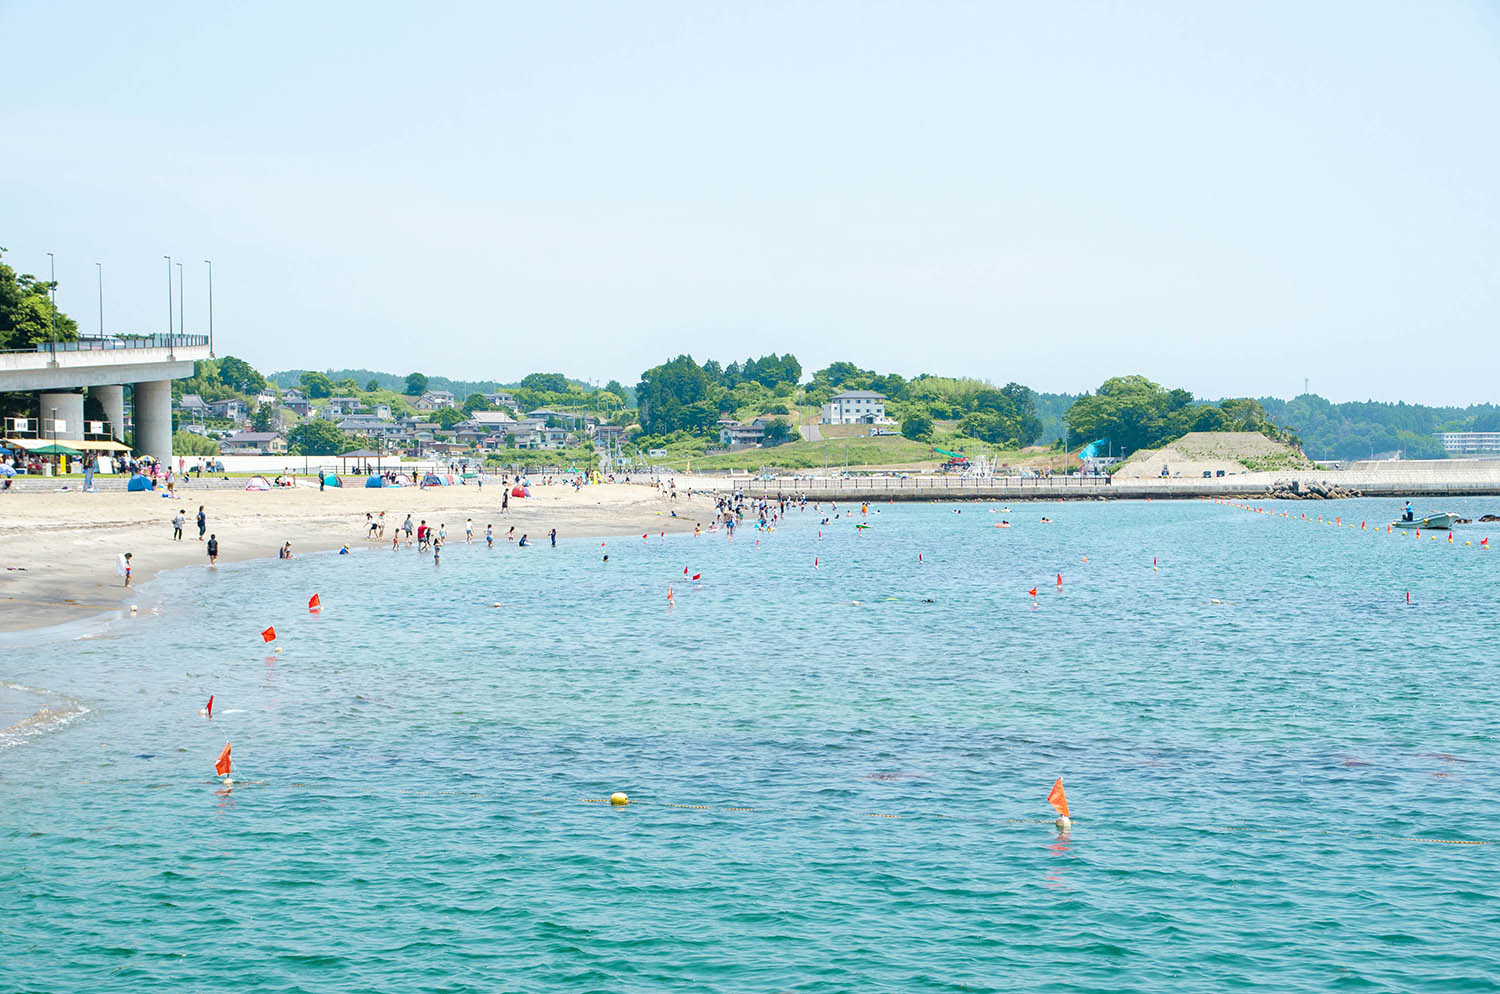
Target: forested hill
point(397, 381)
point(1367, 429)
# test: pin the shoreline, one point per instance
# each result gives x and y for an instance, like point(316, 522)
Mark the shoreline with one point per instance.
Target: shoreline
point(58, 548)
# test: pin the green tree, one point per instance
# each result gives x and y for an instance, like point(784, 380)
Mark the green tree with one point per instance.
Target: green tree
point(26, 311)
point(185, 443)
point(239, 376)
point(677, 395)
point(778, 430)
point(372, 386)
point(263, 418)
point(449, 416)
point(315, 385)
point(476, 402)
point(917, 426)
point(416, 384)
point(316, 437)
point(545, 382)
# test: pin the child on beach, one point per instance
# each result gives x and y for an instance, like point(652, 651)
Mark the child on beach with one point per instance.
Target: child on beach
point(489, 536)
point(122, 566)
point(396, 541)
point(469, 531)
point(213, 550)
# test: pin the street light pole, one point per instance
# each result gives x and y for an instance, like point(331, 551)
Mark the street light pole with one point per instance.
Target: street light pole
point(100, 267)
point(181, 309)
point(169, 306)
point(52, 290)
point(210, 264)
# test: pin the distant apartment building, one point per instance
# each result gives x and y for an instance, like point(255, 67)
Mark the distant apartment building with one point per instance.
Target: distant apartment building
point(1470, 443)
point(855, 407)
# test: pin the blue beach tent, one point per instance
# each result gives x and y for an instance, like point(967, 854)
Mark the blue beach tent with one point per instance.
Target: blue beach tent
point(138, 482)
point(331, 481)
point(375, 481)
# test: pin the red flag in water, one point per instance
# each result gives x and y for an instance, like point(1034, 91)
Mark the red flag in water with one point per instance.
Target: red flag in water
point(1059, 581)
point(1484, 541)
point(209, 708)
point(697, 576)
point(815, 562)
point(269, 634)
point(314, 602)
point(684, 571)
point(1032, 591)
point(1058, 799)
point(670, 595)
point(643, 536)
point(221, 766)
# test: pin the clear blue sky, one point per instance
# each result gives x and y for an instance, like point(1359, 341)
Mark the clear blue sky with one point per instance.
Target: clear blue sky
point(1226, 197)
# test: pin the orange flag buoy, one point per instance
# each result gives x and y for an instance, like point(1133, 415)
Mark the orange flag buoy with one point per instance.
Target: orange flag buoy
point(208, 709)
point(1058, 799)
point(314, 602)
point(221, 765)
point(1032, 592)
point(670, 595)
point(269, 634)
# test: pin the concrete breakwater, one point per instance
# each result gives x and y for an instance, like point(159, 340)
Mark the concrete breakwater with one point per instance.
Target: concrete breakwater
point(1435, 478)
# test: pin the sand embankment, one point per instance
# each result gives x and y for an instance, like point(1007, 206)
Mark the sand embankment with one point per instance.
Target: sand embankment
point(58, 549)
point(1213, 452)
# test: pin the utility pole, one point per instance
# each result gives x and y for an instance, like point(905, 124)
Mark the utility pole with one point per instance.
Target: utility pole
point(210, 264)
point(170, 354)
point(181, 309)
point(52, 290)
point(100, 267)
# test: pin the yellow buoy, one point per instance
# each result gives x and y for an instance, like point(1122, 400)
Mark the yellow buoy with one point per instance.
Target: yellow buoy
point(619, 799)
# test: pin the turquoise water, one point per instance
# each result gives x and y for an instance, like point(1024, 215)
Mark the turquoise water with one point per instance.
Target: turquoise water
point(1248, 778)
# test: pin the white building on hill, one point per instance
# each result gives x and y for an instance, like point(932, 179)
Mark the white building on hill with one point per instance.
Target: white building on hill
point(855, 407)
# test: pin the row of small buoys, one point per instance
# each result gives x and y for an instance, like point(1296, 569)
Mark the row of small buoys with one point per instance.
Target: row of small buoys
point(1056, 797)
point(1337, 521)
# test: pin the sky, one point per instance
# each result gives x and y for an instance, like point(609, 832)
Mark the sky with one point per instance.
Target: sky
point(1224, 197)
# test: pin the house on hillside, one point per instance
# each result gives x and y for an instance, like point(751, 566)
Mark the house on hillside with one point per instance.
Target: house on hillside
point(340, 406)
point(233, 409)
point(855, 407)
point(487, 422)
point(296, 403)
point(266, 443)
point(734, 435)
point(554, 417)
point(192, 406)
point(607, 436)
point(434, 400)
point(500, 400)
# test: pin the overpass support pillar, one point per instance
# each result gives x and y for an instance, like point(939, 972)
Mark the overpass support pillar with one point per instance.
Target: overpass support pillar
point(112, 399)
point(153, 419)
point(67, 410)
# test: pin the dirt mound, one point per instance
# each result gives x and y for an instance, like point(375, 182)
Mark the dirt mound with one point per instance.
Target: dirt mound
point(1200, 452)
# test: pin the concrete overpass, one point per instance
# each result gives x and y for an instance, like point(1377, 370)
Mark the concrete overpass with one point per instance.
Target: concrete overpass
point(60, 372)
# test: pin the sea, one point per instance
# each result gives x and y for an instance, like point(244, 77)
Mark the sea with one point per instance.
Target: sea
point(1275, 724)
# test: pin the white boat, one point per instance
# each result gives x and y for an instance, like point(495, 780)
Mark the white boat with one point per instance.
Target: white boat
point(1437, 522)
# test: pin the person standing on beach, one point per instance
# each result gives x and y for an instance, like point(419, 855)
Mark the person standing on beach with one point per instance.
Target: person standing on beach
point(122, 566)
point(213, 550)
point(504, 501)
point(553, 536)
point(469, 532)
point(202, 522)
point(178, 520)
point(489, 536)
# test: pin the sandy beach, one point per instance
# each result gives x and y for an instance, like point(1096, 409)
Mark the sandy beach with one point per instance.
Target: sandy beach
point(58, 549)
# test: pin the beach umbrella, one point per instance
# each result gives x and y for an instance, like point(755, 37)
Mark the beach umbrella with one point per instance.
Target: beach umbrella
point(54, 449)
